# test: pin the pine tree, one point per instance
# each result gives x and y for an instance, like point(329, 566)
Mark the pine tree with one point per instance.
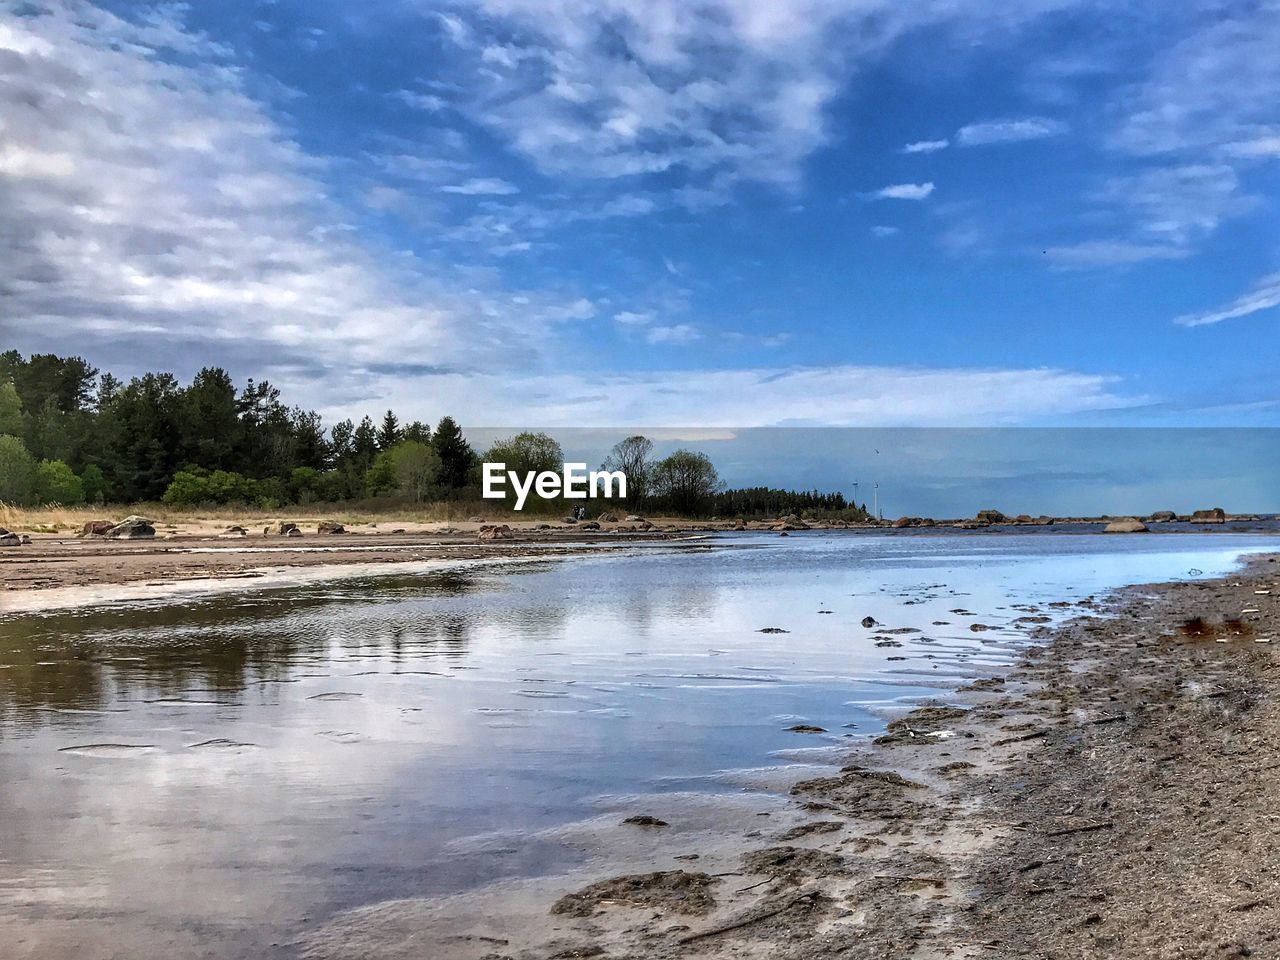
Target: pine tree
point(389, 433)
point(456, 455)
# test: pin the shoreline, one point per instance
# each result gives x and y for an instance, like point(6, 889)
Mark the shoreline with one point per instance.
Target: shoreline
point(58, 572)
point(1111, 795)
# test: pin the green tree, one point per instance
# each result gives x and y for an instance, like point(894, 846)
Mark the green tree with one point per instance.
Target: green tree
point(11, 421)
point(418, 432)
point(389, 433)
point(364, 444)
point(143, 450)
point(57, 483)
point(456, 456)
point(527, 453)
point(380, 478)
point(417, 468)
point(208, 416)
point(94, 483)
point(17, 472)
point(686, 482)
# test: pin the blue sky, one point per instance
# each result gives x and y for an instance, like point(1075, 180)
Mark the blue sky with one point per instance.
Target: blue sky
point(711, 212)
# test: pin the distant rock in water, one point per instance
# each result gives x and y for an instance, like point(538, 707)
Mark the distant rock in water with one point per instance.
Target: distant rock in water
point(1215, 515)
point(1125, 526)
point(805, 728)
point(991, 516)
point(1162, 516)
point(772, 630)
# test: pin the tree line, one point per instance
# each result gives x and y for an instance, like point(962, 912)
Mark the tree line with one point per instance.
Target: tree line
point(71, 434)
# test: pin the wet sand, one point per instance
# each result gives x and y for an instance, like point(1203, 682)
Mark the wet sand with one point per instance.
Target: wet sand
point(50, 562)
point(1112, 796)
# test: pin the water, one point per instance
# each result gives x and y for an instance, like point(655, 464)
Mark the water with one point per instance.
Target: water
point(226, 771)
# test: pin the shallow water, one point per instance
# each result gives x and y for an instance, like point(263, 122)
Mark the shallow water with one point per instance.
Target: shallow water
point(234, 768)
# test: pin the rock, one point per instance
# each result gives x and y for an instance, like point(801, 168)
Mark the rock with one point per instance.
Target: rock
point(1162, 516)
point(571, 520)
point(495, 531)
point(330, 527)
point(644, 820)
point(293, 532)
point(234, 532)
point(772, 630)
point(475, 520)
point(739, 524)
point(132, 528)
point(1215, 515)
point(26, 540)
point(905, 522)
point(96, 528)
point(607, 518)
point(285, 528)
point(9, 539)
point(790, 522)
point(632, 518)
point(992, 516)
point(868, 622)
point(805, 728)
point(1125, 526)
point(589, 525)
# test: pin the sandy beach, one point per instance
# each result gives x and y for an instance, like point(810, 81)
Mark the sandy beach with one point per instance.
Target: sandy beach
point(1112, 796)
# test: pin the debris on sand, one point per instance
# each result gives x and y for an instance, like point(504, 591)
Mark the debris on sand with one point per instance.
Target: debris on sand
point(677, 891)
point(644, 820)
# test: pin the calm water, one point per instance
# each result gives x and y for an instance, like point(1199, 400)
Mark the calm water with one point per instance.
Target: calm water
point(244, 765)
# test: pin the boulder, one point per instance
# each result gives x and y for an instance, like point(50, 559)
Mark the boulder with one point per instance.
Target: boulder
point(1125, 526)
point(1215, 515)
point(1023, 518)
point(991, 516)
point(571, 520)
point(1162, 516)
point(293, 531)
point(607, 518)
point(132, 528)
point(632, 518)
point(330, 527)
point(495, 531)
point(739, 524)
point(589, 525)
point(233, 532)
point(286, 527)
point(96, 528)
point(9, 539)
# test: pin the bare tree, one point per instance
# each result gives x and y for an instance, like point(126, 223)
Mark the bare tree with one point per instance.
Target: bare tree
point(634, 457)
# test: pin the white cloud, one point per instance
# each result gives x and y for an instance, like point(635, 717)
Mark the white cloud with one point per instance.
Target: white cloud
point(676, 334)
point(883, 231)
point(631, 318)
point(905, 191)
point(1180, 204)
point(480, 186)
point(767, 396)
point(155, 212)
point(1014, 130)
point(1094, 253)
point(1218, 86)
point(1259, 148)
point(1264, 296)
point(716, 91)
point(926, 146)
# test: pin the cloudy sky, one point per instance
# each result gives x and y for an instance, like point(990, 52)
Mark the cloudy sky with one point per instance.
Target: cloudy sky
point(657, 212)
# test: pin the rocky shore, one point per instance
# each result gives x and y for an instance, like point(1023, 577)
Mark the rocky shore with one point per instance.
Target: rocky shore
point(1111, 796)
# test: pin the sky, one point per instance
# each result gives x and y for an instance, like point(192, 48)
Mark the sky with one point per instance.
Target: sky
point(677, 213)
